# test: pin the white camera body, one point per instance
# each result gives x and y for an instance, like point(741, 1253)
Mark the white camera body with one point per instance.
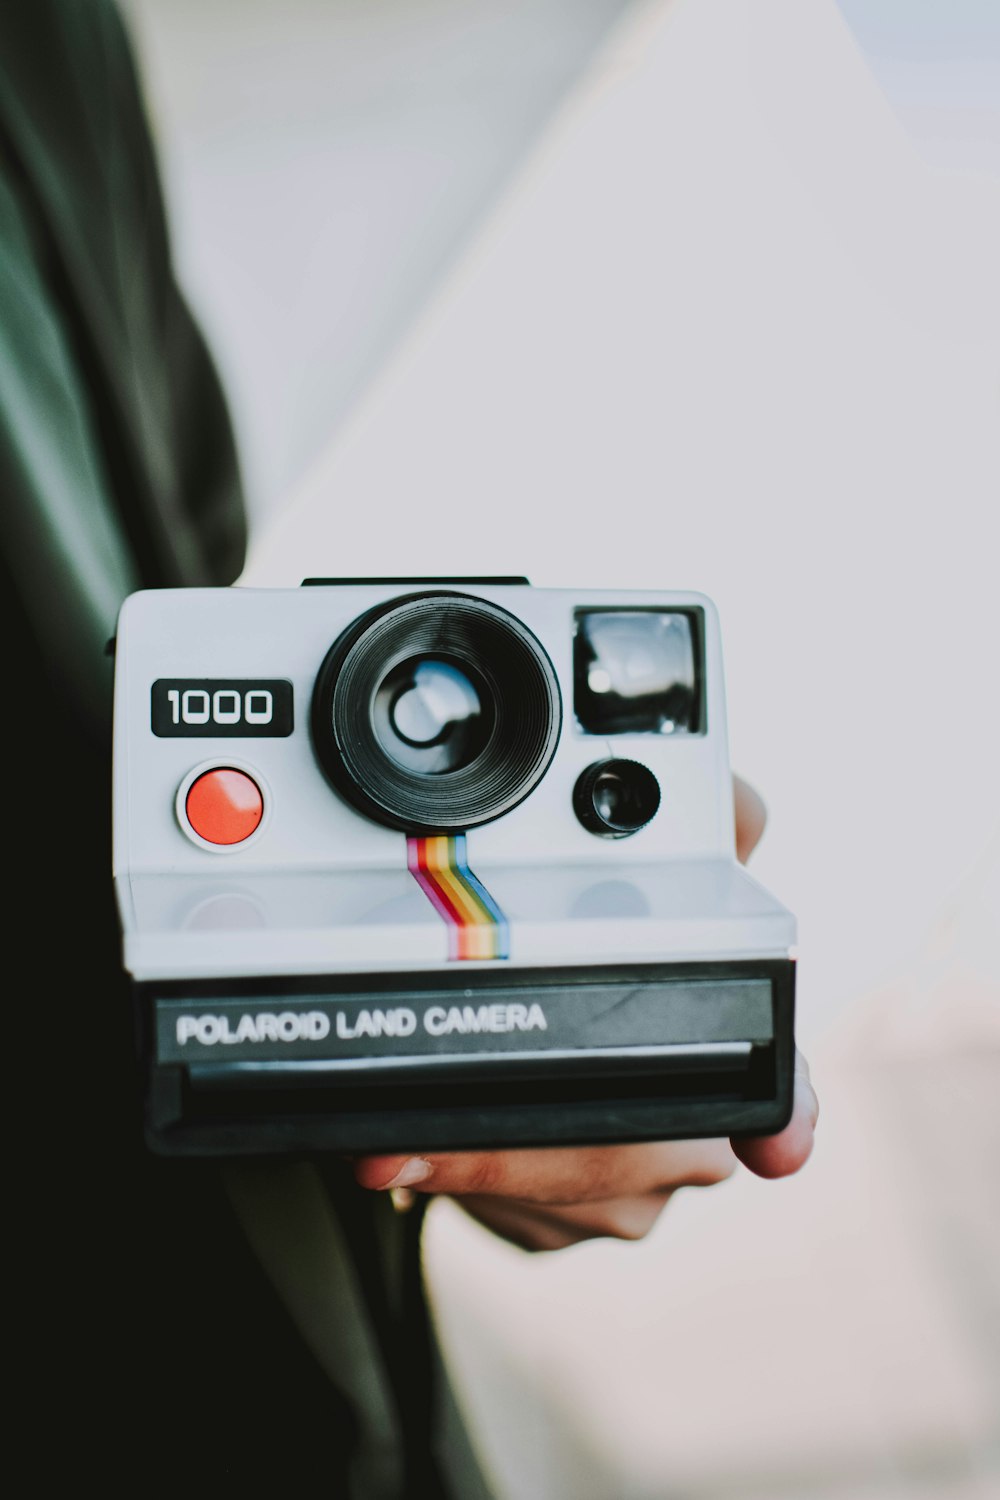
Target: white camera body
point(430, 865)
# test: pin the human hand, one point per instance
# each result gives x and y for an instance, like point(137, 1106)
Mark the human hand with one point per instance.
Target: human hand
point(548, 1198)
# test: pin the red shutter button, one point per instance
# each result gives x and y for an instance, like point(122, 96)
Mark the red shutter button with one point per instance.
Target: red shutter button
point(224, 806)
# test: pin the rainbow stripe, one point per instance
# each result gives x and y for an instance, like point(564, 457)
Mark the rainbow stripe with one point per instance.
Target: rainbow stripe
point(477, 926)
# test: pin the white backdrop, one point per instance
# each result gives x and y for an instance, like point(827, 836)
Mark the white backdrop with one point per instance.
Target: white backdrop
point(728, 330)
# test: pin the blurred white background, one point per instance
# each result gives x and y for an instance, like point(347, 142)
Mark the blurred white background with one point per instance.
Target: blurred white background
point(689, 294)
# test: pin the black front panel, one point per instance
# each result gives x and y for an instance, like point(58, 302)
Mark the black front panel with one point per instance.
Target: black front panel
point(504, 1020)
point(432, 1062)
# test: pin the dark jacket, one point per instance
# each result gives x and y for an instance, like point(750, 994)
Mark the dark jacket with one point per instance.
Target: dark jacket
point(183, 1319)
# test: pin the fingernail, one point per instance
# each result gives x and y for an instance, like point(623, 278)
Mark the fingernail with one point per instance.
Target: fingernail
point(410, 1173)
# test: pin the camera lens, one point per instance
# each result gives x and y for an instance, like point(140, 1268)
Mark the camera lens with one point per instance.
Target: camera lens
point(428, 715)
point(615, 798)
point(436, 712)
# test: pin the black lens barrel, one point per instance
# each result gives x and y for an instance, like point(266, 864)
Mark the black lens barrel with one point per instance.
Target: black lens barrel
point(509, 669)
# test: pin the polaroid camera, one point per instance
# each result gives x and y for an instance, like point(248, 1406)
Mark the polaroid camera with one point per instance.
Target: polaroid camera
point(427, 865)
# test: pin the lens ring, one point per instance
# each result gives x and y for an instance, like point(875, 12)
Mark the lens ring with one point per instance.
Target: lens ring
point(498, 653)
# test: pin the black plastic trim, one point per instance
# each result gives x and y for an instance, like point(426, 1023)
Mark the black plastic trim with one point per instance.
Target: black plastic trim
point(495, 582)
point(285, 1110)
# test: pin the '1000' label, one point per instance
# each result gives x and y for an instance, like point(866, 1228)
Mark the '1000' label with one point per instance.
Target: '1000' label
point(217, 707)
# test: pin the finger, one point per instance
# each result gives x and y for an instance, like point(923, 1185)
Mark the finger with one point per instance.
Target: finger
point(782, 1154)
point(750, 817)
point(521, 1224)
point(550, 1176)
point(533, 1227)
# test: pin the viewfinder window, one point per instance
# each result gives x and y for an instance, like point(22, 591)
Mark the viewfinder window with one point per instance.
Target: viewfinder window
point(637, 672)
